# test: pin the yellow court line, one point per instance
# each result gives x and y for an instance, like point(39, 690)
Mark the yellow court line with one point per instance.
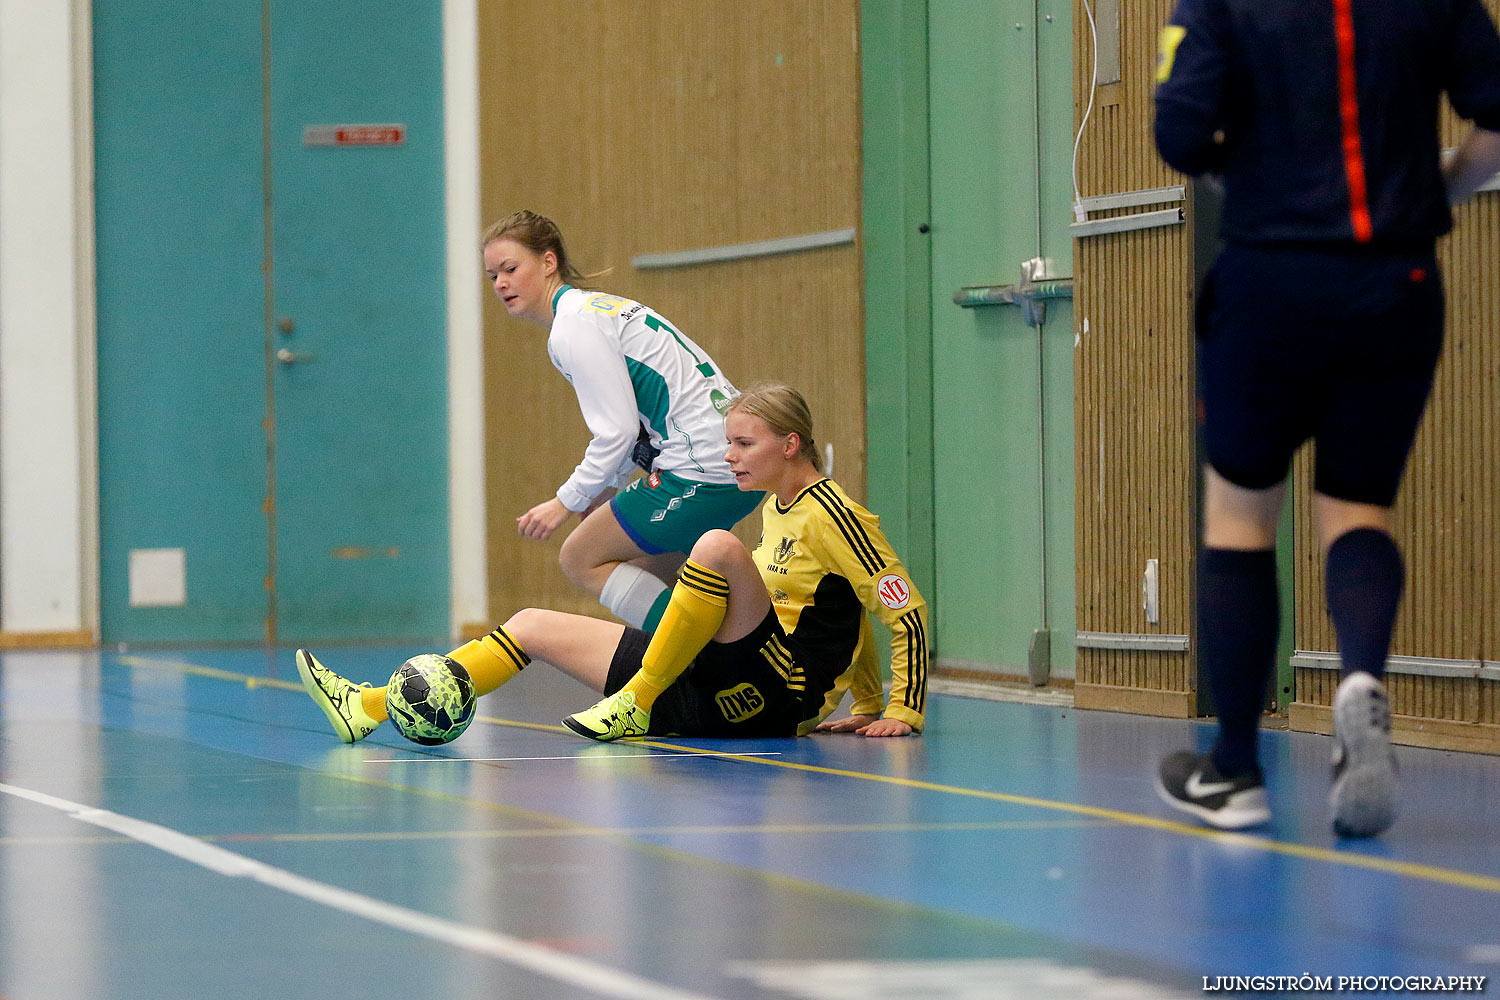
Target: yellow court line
point(1430, 873)
point(198, 670)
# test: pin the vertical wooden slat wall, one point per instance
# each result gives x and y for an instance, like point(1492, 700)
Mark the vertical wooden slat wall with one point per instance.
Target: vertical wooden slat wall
point(1134, 395)
point(1446, 519)
point(644, 128)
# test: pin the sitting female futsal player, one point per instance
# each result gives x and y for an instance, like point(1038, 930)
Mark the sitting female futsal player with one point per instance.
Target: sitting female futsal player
point(651, 398)
point(752, 644)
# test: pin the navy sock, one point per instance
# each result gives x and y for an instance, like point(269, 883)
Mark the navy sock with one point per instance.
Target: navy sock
point(1239, 618)
point(1364, 578)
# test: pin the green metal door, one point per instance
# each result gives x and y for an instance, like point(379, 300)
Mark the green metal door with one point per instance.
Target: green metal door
point(1000, 115)
point(245, 498)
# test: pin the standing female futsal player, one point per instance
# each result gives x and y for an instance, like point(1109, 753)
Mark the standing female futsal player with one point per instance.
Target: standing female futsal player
point(652, 399)
point(752, 644)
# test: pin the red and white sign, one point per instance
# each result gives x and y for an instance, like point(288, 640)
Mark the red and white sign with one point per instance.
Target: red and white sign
point(894, 593)
point(354, 135)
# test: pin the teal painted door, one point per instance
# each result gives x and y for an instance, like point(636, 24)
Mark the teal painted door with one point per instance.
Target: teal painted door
point(1001, 116)
point(361, 428)
point(181, 353)
point(293, 501)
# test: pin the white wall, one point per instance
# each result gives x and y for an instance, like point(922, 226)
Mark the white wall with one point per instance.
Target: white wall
point(49, 562)
point(48, 570)
point(465, 322)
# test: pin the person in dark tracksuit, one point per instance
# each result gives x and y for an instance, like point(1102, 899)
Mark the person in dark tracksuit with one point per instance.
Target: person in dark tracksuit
point(1323, 319)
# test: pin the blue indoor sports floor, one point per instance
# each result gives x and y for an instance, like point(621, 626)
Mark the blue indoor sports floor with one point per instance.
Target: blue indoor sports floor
point(183, 824)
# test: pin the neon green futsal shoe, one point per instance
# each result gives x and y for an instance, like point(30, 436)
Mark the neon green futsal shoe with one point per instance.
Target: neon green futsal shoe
point(338, 698)
point(614, 717)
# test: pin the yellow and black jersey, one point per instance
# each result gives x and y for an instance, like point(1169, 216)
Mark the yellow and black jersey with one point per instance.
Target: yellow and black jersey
point(825, 563)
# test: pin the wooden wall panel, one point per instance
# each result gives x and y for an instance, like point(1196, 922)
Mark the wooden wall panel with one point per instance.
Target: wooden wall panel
point(1117, 152)
point(644, 128)
point(1134, 461)
point(1134, 395)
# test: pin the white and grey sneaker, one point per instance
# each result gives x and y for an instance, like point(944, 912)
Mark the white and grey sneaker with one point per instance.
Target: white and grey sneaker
point(1190, 782)
point(1362, 801)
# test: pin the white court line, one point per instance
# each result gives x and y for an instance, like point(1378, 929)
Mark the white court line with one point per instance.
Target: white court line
point(575, 756)
point(961, 979)
point(544, 961)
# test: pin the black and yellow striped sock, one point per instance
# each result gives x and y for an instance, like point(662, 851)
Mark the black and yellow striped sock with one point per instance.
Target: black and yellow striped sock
point(693, 615)
point(491, 660)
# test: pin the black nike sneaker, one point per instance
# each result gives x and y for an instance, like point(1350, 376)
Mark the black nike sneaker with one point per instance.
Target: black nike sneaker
point(1190, 782)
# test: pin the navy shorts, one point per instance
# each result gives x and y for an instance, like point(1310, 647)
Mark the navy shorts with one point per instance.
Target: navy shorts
point(751, 687)
point(1339, 346)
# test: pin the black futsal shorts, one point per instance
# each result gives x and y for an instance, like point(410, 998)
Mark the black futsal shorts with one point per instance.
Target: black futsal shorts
point(751, 687)
point(1335, 345)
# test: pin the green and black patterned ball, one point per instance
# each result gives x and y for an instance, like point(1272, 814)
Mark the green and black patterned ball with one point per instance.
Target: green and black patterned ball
point(430, 699)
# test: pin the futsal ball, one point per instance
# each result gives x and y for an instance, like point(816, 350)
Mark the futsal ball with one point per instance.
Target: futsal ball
point(430, 699)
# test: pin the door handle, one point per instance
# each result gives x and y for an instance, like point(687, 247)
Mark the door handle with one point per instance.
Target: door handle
point(289, 357)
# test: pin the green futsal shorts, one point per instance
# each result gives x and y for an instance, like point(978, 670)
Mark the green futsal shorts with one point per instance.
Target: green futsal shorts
point(666, 513)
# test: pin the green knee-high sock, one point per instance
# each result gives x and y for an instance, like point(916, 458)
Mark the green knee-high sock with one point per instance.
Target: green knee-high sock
point(658, 609)
point(491, 660)
point(693, 615)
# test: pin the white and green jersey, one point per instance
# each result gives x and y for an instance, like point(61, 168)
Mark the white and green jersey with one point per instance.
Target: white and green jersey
point(632, 369)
